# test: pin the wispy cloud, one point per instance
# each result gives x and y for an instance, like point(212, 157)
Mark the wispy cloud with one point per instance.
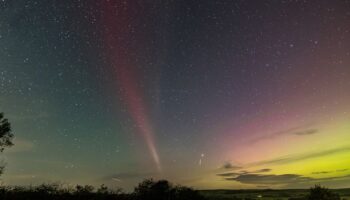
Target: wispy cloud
point(262, 170)
point(301, 157)
point(270, 179)
point(328, 172)
point(230, 174)
point(322, 172)
point(298, 131)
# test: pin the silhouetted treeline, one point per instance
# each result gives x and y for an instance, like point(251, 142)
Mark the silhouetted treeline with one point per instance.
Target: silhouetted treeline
point(147, 190)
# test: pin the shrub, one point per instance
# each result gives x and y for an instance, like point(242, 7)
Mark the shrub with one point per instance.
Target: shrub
point(322, 193)
point(162, 189)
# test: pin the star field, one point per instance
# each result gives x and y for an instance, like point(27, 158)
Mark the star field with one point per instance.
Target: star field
point(210, 94)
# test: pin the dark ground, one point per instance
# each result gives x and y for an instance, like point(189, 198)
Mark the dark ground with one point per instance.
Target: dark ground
point(265, 194)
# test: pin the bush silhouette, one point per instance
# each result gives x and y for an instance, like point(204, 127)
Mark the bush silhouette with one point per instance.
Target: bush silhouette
point(322, 193)
point(163, 190)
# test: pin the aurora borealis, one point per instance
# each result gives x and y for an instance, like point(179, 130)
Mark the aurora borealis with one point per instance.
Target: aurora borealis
point(209, 94)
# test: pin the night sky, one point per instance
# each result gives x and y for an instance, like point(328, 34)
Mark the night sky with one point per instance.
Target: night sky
point(209, 94)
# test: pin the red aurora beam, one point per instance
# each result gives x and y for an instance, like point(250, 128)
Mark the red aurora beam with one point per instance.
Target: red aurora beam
point(118, 20)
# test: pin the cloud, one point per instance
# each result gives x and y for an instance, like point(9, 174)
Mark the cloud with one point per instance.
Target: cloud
point(322, 172)
point(301, 157)
point(230, 174)
point(327, 172)
point(270, 179)
point(229, 165)
point(262, 170)
point(298, 131)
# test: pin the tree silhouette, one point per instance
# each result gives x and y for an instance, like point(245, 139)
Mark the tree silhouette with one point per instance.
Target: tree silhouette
point(162, 189)
point(322, 193)
point(5, 135)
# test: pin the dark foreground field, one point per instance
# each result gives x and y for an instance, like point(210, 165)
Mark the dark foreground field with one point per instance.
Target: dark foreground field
point(164, 190)
point(292, 194)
